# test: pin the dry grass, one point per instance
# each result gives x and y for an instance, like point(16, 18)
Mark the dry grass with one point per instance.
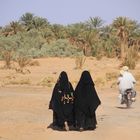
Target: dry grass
point(104, 72)
point(79, 61)
point(47, 81)
point(111, 76)
point(34, 63)
point(99, 82)
point(24, 81)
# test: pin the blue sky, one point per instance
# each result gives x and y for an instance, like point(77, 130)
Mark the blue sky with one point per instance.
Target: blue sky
point(69, 11)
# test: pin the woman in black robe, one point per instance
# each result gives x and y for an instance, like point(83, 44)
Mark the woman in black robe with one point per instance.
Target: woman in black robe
point(62, 103)
point(86, 103)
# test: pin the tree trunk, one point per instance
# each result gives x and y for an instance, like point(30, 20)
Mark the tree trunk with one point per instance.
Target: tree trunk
point(123, 51)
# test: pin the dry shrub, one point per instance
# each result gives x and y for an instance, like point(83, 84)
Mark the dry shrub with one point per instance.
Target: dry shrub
point(34, 63)
point(130, 62)
point(19, 82)
point(137, 76)
point(7, 55)
point(111, 76)
point(99, 81)
point(23, 62)
point(113, 85)
point(47, 81)
point(131, 57)
point(79, 61)
point(25, 81)
point(99, 56)
point(23, 71)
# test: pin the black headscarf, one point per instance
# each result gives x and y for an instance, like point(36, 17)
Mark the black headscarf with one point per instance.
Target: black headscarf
point(63, 82)
point(86, 98)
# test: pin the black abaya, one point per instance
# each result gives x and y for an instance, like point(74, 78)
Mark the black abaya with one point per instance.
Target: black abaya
point(62, 102)
point(86, 102)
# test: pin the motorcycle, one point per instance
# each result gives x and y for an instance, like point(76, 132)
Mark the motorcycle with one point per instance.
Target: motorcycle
point(128, 97)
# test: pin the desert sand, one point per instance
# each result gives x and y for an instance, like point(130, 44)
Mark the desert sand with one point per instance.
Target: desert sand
point(24, 113)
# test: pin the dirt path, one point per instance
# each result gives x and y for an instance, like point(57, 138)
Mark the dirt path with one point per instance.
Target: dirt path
point(24, 115)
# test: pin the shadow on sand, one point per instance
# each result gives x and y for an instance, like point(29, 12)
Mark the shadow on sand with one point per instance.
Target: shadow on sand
point(123, 107)
point(71, 128)
point(55, 127)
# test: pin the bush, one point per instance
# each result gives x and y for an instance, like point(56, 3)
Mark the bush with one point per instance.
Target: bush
point(79, 61)
point(131, 57)
point(7, 47)
point(47, 81)
point(34, 63)
point(111, 76)
point(59, 48)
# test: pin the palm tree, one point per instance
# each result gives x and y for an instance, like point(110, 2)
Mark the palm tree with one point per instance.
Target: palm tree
point(12, 28)
point(109, 41)
point(47, 34)
point(7, 31)
point(59, 31)
point(40, 23)
point(90, 38)
point(16, 26)
point(94, 22)
point(92, 32)
point(123, 28)
point(75, 34)
point(27, 20)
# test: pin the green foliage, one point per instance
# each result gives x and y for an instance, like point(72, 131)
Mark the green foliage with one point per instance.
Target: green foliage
point(97, 50)
point(59, 31)
point(94, 22)
point(131, 57)
point(34, 37)
point(109, 48)
point(33, 22)
point(7, 47)
point(29, 44)
point(59, 48)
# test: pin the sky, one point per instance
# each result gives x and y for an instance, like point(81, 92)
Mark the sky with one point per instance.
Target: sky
point(69, 11)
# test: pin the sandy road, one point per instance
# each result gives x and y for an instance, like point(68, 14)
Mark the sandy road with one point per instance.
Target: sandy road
point(24, 115)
